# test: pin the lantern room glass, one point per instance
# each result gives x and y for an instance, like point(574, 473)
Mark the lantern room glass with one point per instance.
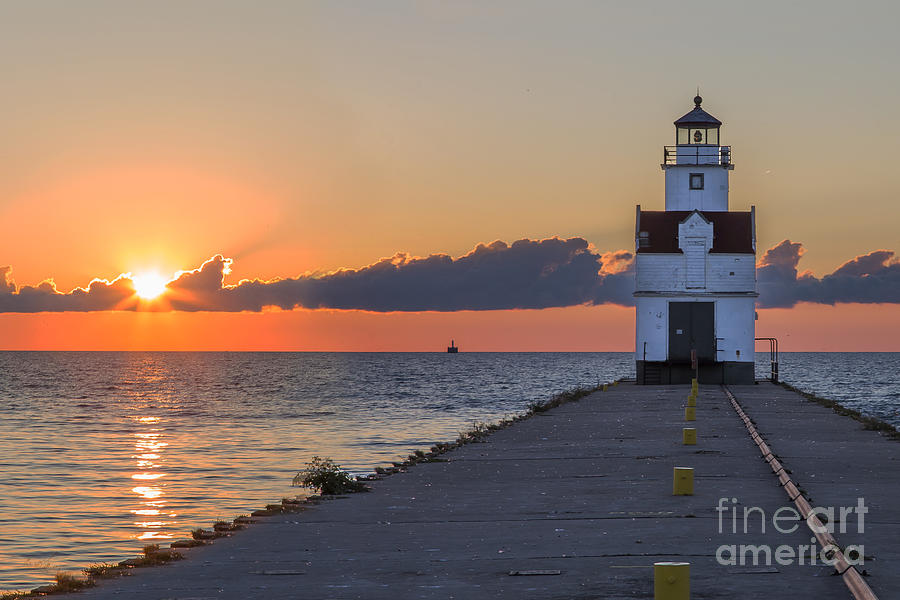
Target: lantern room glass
point(704, 136)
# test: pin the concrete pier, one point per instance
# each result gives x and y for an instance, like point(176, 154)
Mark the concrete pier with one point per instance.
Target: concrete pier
point(576, 502)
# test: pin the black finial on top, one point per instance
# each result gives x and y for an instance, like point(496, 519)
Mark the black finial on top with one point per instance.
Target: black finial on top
point(698, 117)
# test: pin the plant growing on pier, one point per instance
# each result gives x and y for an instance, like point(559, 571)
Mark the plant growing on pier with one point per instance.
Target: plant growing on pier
point(329, 478)
point(479, 432)
point(572, 395)
point(104, 571)
point(69, 582)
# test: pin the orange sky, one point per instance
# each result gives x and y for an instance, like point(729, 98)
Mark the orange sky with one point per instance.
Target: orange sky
point(308, 137)
point(849, 327)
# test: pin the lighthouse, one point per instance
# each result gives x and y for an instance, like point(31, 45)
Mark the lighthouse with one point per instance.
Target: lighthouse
point(695, 267)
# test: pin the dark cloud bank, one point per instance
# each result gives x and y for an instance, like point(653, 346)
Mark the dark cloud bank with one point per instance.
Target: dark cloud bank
point(870, 278)
point(525, 274)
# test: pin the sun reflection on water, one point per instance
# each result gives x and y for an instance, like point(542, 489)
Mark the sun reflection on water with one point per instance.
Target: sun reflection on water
point(148, 493)
point(149, 446)
point(155, 535)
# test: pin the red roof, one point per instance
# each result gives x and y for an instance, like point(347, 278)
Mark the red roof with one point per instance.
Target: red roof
point(732, 231)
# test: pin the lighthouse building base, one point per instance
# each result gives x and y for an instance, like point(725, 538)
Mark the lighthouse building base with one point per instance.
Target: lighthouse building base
point(729, 372)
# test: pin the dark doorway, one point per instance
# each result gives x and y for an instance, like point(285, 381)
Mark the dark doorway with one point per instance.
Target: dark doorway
point(692, 326)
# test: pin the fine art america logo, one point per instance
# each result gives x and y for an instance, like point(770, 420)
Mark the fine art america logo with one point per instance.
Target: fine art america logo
point(786, 520)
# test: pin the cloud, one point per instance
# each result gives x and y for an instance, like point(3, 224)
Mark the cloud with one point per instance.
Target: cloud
point(869, 278)
point(6, 285)
point(100, 294)
point(524, 274)
point(527, 274)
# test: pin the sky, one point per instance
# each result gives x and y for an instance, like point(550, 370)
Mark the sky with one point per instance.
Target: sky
point(362, 153)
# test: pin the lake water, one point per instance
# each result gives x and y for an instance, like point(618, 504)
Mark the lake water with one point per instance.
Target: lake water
point(101, 453)
point(865, 381)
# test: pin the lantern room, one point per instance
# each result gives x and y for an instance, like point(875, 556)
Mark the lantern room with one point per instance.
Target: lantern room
point(698, 127)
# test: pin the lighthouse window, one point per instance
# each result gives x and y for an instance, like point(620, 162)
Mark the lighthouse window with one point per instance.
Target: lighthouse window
point(696, 181)
point(697, 135)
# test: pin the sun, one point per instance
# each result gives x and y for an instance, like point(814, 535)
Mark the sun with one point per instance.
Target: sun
point(149, 285)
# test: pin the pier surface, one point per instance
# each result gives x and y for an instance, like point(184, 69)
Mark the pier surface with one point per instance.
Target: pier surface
point(584, 490)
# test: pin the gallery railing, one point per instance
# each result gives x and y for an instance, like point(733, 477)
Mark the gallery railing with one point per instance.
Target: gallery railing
point(697, 155)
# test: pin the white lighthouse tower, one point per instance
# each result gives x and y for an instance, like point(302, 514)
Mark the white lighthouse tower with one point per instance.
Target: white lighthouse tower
point(695, 267)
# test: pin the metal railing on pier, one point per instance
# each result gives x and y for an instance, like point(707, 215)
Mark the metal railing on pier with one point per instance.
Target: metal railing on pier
point(773, 357)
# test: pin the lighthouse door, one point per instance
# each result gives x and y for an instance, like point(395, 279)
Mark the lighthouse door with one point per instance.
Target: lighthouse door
point(692, 327)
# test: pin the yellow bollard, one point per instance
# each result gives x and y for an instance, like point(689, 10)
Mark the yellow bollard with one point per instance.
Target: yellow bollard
point(690, 413)
point(683, 481)
point(616, 382)
point(694, 387)
point(692, 400)
point(671, 581)
point(605, 387)
point(689, 436)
